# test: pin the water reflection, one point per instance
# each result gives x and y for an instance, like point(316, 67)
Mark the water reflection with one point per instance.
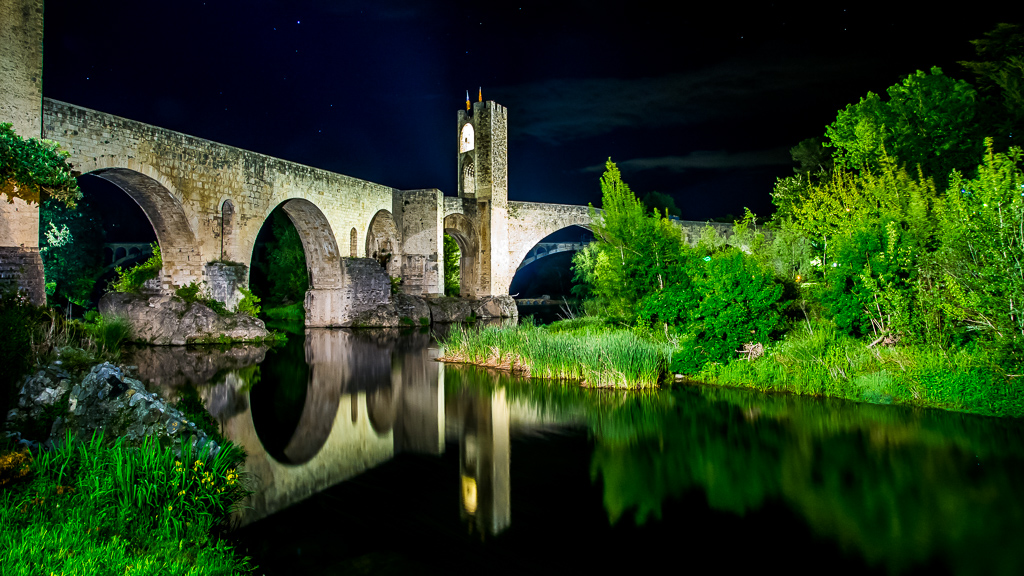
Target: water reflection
point(900, 489)
point(484, 456)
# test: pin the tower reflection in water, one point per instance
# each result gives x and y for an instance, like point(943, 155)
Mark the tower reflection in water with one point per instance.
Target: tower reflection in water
point(483, 432)
point(346, 401)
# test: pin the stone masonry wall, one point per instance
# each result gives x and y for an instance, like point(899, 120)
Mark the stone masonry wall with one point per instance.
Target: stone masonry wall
point(200, 175)
point(21, 94)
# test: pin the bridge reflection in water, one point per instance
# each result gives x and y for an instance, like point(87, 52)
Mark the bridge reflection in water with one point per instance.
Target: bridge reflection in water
point(369, 396)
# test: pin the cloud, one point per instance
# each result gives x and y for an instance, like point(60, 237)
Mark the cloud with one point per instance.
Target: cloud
point(713, 160)
point(562, 110)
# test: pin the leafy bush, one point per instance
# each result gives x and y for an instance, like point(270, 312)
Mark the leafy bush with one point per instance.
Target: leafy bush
point(194, 292)
point(19, 322)
point(132, 279)
point(396, 284)
point(249, 304)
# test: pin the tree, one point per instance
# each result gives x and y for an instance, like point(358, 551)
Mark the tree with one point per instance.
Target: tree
point(928, 122)
point(663, 203)
point(638, 251)
point(29, 168)
point(71, 246)
point(999, 73)
point(982, 259)
point(285, 263)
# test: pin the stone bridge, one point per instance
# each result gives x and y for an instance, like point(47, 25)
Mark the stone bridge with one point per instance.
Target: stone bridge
point(207, 201)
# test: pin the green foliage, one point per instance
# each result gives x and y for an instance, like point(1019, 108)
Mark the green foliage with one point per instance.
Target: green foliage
point(999, 71)
point(597, 357)
point(636, 253)
point(108, 332)
point(19, 323)
point(927, 122)
point(819, 359)
point(249, 304)
point(983, 250)
point(30, 168)
point(452, 259)
point(661, 203)
point(71, 247)
point(129, 510)
point(729, 300)
point(396, 284)
point(294, 312)
point(285, 263)
point(424, 321)
point(195, 292)
point(132, 279)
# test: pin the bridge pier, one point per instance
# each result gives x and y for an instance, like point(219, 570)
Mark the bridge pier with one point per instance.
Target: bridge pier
point(21, 96)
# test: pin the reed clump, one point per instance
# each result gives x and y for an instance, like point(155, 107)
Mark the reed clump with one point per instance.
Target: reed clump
point(595, 356)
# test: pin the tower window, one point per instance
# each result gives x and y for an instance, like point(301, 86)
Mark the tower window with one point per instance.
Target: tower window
point(466, 139)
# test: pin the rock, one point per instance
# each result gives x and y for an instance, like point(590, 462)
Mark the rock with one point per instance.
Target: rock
point(411, 307)
point(383, 315)
point(448, 310)
point(495, 307)
point(164, 320)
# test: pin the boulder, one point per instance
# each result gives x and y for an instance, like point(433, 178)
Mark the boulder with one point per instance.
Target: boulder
point(380, 316)
point(495, 307)
point(106, 400)
point(411, 307)
point(448, 310)
point(166, 320)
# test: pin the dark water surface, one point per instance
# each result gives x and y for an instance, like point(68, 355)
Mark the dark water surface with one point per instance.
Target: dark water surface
point(372, 458)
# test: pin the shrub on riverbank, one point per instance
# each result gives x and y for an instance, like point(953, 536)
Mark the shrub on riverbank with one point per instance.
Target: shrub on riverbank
point(90, 508)
point(595, 356)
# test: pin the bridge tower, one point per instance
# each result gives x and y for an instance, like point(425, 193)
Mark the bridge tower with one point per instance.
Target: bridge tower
point(483, 190)
point(21, 104)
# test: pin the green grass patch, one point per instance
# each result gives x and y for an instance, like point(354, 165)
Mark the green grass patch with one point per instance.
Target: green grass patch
point(292, 312)
point(817, 359)
point(96, 508)
point(594, 356)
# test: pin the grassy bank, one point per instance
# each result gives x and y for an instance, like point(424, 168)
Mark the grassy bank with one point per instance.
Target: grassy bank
point(90, 508)
point(589, 353)
point(812, 359)
point(821, 361)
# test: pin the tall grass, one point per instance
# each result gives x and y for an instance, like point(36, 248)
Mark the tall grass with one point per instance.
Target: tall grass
point(820, 360)
point(597, 357)
point(90, 508)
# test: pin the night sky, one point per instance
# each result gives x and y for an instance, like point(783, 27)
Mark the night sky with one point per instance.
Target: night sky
point(701, 102)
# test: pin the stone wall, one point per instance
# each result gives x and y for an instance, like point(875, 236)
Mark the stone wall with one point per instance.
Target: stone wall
point(21, 95)
point(191, 179)
point(419, 217)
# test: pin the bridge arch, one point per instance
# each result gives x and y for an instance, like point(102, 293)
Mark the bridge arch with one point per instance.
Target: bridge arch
point(461, 229)
point(537, 221)
point(383, 242)
point(323, 258)
point(179, 247)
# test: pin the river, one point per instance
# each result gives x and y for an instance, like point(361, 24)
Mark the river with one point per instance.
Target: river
point(369, 457)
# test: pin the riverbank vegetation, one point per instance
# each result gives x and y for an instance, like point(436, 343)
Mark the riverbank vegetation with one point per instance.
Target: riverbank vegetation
point(90, 507)
point(595, 356)
point(892, 270)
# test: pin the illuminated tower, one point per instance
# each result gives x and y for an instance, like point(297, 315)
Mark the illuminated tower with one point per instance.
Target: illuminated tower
point(483, 187)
